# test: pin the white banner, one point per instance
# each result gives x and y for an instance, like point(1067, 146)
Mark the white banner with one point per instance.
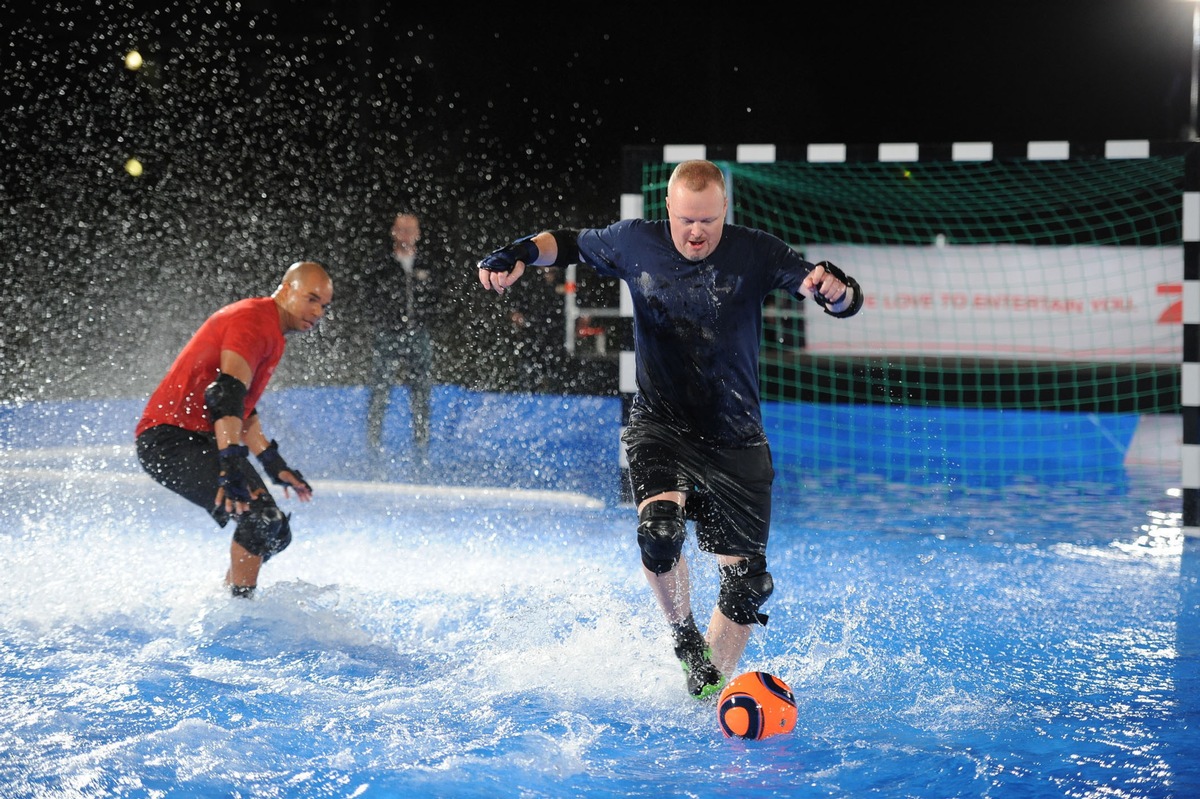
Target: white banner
point(1109, 304)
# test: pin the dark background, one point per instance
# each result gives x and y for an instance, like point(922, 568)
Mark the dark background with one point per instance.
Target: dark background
point(274, 131)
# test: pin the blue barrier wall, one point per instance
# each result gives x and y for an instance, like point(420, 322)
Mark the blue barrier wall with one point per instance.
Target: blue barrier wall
point(970, 447)
point(570, 443)
point(530, 441)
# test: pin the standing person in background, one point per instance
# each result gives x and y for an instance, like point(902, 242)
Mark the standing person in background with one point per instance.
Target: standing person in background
point(201, 422)
point(399, 305)
point(695, 440)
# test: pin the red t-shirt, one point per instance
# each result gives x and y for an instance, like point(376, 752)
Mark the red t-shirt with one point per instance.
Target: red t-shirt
point(248, 327)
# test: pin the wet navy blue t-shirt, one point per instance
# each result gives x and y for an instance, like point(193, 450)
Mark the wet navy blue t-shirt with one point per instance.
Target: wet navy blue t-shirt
point(697, 324)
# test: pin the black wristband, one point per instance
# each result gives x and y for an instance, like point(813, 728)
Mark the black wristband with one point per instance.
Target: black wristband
point(274, 464)
point(568, 247)
point(505, 259)
point(231, 476)
point(233, 453)
point(525, 250)
point(856, 300)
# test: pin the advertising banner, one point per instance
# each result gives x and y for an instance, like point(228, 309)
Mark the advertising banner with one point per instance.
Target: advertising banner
point(1012, 302)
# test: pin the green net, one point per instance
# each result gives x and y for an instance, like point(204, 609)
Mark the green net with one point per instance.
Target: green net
point(1023, 317)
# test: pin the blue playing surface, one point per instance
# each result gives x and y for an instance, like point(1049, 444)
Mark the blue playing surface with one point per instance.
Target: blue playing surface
point(499, 640)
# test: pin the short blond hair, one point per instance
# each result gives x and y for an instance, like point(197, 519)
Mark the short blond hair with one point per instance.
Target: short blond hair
point(696, 175)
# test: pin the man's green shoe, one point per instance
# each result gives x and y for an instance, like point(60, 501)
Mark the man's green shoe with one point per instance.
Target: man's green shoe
point(694, 653)
point(704, 682)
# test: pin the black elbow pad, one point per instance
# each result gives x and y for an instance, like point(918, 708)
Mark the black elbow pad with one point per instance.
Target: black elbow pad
point(225, 396)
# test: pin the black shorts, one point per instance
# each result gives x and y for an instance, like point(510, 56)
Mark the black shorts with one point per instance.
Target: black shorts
point(728, 490)
point(186, 462)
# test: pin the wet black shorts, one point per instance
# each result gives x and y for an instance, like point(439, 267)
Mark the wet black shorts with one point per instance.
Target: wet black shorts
point(186, 462)
point(728, 490)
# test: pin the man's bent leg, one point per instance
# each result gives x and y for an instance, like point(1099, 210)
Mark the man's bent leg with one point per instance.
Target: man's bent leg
point(745, 586)
point(661, 533)
point(672, 589)
point(262, 532)
point(728, 640)
point(242, 577)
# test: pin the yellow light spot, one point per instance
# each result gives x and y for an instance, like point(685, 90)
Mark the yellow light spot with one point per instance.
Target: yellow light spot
point(133, 167)
point(133, 60)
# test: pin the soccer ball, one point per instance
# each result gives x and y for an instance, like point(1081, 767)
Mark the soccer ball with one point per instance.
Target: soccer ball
point(756, 705)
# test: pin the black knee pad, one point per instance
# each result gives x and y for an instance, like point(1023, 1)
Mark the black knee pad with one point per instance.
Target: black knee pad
point(661, 531)
point(745, 586)
point(264, 530)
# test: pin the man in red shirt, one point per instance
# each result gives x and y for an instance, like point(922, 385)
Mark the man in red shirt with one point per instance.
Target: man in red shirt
point(200, 424)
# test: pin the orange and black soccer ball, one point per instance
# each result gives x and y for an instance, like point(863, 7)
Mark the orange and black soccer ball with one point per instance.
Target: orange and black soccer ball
point(756, 705)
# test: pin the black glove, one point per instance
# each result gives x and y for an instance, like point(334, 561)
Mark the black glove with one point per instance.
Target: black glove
point(273, 463)
point(856, 302)
point(232, 478)
point(505, 259)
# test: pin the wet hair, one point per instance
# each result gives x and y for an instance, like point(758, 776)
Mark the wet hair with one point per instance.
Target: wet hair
point(697, 175)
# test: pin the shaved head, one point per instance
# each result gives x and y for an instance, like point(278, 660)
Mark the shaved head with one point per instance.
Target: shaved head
point(305, 273)
point(303, 295)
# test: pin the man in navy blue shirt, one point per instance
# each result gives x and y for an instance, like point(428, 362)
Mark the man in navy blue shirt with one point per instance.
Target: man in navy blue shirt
point(695, 441)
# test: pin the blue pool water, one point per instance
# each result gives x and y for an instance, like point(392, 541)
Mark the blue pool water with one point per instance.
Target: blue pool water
point(434, 642)
point(466, 641)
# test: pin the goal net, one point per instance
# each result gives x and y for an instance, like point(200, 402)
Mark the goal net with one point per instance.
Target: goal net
point(1022, 321)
